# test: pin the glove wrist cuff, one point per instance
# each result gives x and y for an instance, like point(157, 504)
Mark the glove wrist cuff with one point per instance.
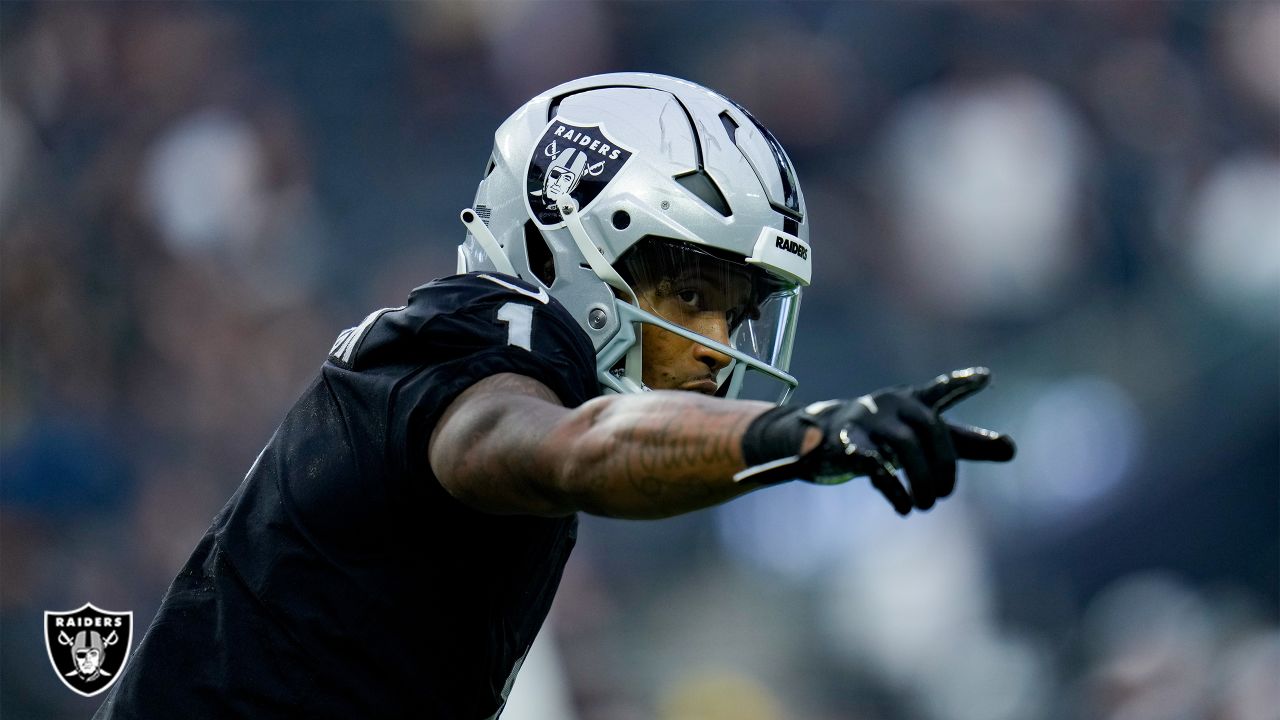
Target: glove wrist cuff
point(775, 433)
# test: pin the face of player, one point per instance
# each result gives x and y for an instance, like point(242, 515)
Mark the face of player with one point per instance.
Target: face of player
point(711, 307)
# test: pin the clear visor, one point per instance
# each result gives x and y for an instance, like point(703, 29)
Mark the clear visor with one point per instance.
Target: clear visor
point(767, 338)
point(724, 301)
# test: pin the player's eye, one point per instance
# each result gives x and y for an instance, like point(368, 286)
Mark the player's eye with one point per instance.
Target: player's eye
point(690, 297)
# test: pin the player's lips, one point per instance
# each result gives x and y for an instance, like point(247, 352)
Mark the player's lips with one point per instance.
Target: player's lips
point(706, 386)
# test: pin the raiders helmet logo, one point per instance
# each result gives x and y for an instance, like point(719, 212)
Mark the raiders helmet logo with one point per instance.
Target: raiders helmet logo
point(570, 160)
point(88, 647)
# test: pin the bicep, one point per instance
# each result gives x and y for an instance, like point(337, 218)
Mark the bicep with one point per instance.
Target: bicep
point(486, 448)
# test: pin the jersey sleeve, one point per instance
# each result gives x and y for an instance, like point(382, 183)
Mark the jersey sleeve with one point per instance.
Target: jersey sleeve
point(451, 334)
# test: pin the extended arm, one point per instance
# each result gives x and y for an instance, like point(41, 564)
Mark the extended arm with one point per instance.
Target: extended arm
point(506, 445)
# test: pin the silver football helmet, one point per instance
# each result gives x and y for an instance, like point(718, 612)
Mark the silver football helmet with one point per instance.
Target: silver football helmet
point(588, 179)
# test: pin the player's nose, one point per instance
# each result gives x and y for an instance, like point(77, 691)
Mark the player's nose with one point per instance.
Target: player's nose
point(716, 329)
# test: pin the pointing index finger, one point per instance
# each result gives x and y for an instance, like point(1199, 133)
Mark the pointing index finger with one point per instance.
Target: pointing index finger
point(949, 389)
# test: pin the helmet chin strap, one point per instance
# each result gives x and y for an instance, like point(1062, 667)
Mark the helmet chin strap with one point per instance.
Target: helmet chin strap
point(488, 242)
point(573, 220)
point(606, 272)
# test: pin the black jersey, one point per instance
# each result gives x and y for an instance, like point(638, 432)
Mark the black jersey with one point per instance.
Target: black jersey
point(341, 579)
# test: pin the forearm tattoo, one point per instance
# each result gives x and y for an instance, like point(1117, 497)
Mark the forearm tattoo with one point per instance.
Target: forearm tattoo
point(655, 455)
point(680, 457)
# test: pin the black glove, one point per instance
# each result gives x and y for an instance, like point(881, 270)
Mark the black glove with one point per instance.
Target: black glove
point(875, 435)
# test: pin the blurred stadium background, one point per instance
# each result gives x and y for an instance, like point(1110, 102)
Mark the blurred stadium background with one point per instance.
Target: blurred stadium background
point(196, 198)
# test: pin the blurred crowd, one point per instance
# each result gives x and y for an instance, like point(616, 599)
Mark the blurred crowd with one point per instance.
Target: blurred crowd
point(196, 198)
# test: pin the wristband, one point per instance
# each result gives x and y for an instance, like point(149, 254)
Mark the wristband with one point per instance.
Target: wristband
point(776, 433)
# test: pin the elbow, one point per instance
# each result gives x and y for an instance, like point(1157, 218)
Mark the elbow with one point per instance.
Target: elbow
point(575, 456)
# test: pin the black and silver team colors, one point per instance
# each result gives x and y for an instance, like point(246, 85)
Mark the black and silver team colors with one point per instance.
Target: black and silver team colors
point(341, 579)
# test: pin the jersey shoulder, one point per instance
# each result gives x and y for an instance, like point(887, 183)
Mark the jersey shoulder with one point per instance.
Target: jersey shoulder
point(460, 315)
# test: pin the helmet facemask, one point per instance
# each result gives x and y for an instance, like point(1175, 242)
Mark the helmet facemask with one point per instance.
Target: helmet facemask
point(715, 300)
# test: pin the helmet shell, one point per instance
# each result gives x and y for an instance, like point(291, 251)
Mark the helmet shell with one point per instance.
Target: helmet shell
point(687, 164)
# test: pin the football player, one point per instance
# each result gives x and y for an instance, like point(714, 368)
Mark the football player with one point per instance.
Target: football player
point(395, 547)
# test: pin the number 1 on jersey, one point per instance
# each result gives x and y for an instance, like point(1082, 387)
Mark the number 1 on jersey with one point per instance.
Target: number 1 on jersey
point(519, 320)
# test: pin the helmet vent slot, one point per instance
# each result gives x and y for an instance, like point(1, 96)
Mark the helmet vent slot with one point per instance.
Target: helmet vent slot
point(704, 188)
point(541, 261)
point(730, 127)
point(489, 168)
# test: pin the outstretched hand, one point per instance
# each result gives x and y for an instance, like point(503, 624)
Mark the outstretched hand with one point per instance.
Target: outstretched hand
point(876, 435)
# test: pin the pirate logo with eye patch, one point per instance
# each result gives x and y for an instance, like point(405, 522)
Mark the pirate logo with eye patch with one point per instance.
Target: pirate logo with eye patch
point(570, 160)
point(88, 647)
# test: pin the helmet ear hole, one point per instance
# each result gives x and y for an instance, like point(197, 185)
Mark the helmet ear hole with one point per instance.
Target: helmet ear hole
point(621, 220)
point(541, 261)
point(704, 188)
